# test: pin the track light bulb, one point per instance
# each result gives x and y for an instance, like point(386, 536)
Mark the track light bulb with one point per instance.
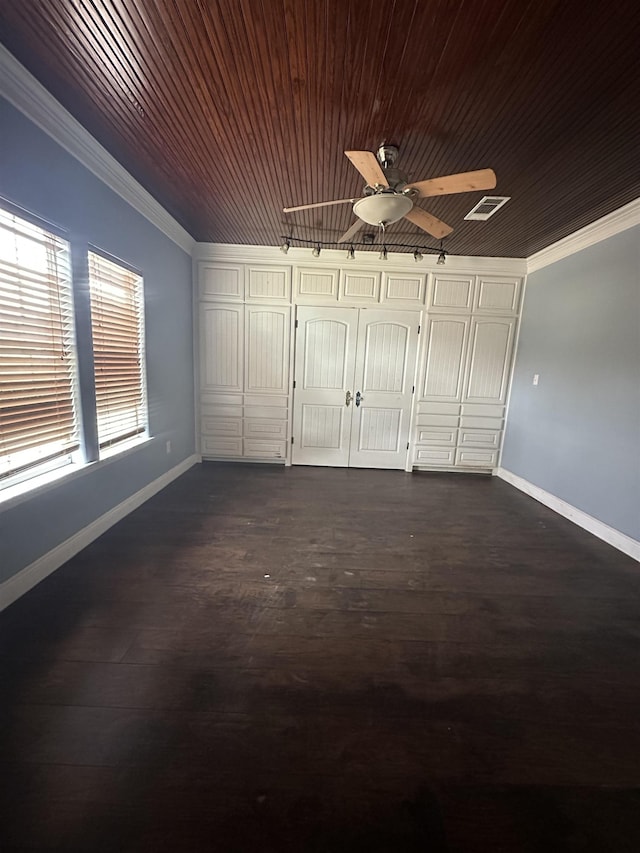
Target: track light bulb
point(351, 253)
point(285, 246)
point(417, 255)
point(383, 254)
point(441, 258)
point(316, 251)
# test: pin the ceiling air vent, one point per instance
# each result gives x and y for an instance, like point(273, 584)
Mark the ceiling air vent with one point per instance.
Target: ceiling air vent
point(487, 206)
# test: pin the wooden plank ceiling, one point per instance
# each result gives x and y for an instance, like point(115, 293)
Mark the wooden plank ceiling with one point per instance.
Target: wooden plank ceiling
point(228, 110)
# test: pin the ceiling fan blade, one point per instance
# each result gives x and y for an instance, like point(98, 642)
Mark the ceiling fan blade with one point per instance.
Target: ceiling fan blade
point(436, 227)
point(346, 237)
point(319, 204)
point(366, 163)
point(464, 182)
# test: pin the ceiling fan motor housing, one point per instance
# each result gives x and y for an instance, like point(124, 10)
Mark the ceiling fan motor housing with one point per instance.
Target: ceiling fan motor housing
point(387, 156)
point(396, 179)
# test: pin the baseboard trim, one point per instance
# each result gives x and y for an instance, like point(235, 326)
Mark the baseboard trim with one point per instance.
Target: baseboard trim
point(613, 537)
point(31, 575)
point(246, 460)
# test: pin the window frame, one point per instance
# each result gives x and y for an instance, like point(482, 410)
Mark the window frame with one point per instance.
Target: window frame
point(40, 477)
point(64, 303)
point(112, 444)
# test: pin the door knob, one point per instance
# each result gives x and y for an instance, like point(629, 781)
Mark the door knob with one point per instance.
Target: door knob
point(359, 398)
point(348, 398)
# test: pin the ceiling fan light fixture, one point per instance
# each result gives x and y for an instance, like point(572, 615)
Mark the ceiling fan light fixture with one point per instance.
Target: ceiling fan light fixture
point(385, 206)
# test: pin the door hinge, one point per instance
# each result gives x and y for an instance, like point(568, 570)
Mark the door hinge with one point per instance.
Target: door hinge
point(407, 445)
point(419, 327)
point(291, 439)
point(413, 388)
point(294, 383)
point(296, 324)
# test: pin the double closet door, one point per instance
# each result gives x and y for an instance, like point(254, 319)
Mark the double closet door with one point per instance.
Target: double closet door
point(354, 376)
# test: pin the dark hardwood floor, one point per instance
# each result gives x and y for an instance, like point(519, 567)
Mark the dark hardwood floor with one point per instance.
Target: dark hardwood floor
point(325, 660)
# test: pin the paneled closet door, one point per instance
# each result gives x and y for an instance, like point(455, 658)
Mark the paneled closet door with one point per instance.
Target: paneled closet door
point(325, 361)
point(489, 359)
point(221, 347)
point(354, 378)
point(445, 358)
point(384, 376)
point(267, 330)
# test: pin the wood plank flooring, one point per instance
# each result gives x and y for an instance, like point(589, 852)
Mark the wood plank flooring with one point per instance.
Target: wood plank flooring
point(323, 660)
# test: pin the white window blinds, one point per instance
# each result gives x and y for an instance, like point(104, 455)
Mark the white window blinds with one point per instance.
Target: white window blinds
point(37, 347)
point(118, 350)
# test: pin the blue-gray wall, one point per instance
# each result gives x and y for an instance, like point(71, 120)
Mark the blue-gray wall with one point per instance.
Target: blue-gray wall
point(577, 434)
point(41, 177)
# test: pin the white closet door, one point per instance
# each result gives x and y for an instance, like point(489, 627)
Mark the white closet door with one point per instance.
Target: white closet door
point(266, 349)
point(325, 361)
point(445, 359)
point(490, 357)
point(385, 367)
point(221, 350)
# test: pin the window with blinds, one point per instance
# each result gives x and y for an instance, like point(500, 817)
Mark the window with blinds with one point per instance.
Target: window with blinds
point(118, 350)
point(37, 348)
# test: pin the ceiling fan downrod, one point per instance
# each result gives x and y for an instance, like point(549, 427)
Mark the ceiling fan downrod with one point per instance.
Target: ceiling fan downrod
point(387, 155)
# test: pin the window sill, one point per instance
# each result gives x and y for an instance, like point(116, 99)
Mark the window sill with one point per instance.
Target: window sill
point(124, 448)
point(12, 496)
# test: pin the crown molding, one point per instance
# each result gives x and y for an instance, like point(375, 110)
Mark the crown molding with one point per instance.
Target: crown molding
point(610, 225)
point(364, 259)
point(29, 96)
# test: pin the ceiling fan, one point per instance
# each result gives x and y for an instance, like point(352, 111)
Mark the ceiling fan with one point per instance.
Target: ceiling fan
point(388, 197)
